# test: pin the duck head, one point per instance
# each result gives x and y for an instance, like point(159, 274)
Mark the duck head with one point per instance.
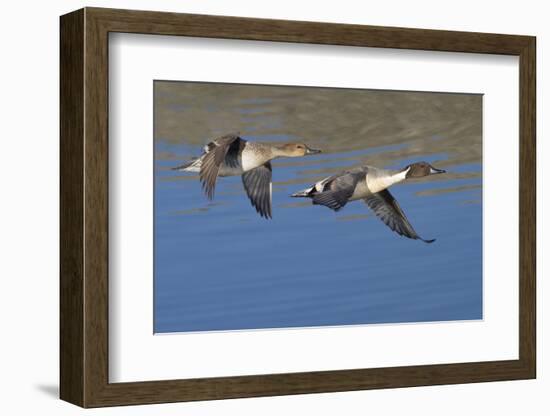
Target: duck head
point(421, 169)
point(295, 150)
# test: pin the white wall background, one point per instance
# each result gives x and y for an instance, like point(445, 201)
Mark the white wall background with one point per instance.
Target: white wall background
point(29, 207)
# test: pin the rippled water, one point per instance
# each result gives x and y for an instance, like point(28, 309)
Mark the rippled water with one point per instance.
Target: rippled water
point(219, 266)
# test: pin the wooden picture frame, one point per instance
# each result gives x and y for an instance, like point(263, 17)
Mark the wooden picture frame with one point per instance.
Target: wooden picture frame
point(84, 207)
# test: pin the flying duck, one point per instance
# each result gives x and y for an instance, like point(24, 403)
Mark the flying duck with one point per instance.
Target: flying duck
point(371, 185)
point(230, 155)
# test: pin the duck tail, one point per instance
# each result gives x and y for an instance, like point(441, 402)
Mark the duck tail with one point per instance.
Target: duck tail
point(191, 166)
point(304, 193)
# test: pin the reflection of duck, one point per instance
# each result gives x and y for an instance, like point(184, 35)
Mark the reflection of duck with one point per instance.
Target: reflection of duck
point(370, 184)
point(232, 156)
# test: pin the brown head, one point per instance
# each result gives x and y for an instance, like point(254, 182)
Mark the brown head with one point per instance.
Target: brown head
point(421, 169)
point(295, 150)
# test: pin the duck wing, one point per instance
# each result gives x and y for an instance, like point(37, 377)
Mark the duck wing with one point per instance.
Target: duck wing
point(337, 190)
point(388, 210)
point(257, 183)
point(224, 149)
point(335, 200)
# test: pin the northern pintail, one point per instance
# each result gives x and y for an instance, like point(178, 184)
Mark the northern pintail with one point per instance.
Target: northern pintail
point(230, 155)
point(371, 185)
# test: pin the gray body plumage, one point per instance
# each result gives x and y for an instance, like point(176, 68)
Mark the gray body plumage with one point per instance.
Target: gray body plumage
point(369, 184)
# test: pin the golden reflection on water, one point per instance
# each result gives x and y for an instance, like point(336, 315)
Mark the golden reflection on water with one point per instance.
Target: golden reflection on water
point(341, 122)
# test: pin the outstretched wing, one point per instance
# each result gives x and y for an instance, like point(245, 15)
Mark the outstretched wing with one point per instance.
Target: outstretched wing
point(338, 189)
point(223, 149)
point(388, 210)
point(257, 183)
point(334, 200)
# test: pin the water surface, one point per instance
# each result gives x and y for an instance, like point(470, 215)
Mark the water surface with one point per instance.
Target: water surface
point(219, 266)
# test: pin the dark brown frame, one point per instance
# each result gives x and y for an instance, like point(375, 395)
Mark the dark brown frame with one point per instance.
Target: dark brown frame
point(84, 207)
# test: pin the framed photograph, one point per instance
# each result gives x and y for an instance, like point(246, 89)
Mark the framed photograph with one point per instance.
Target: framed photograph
point(256, 207)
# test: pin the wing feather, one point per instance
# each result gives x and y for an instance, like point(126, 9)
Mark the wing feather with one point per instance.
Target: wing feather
point(338, 189)
point(388, 210)
point(223, 149)
point(257, 184)
point(334, 200)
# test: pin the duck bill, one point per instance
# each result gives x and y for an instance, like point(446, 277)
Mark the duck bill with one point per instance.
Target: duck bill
point(310, 151)
point(434, 171)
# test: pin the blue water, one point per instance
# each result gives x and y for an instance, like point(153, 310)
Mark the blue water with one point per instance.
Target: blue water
point(219, 266)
